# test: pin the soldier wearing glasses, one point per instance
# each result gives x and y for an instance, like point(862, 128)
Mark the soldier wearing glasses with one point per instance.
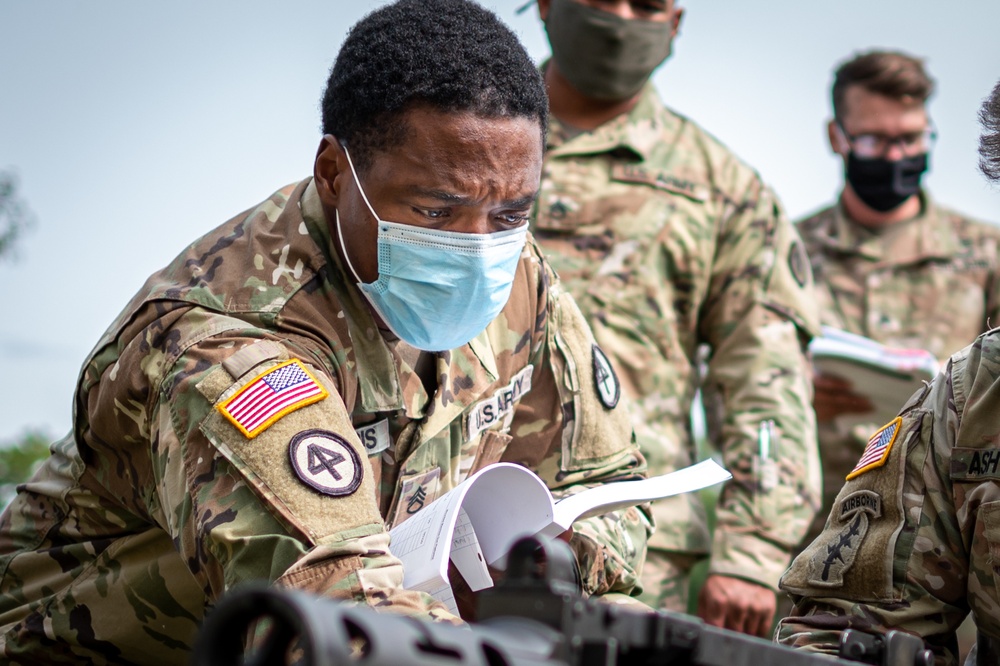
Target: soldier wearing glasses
point(913, 539)
point(889, 262)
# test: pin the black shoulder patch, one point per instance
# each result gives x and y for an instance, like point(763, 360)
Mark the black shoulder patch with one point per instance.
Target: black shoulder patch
point(609, 389)
point(798, 263)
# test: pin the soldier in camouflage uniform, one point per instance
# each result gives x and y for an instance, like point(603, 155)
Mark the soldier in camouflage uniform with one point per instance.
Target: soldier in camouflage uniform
point(913, 538)
point(264, 410)
point(915, 274)
point(669, 242)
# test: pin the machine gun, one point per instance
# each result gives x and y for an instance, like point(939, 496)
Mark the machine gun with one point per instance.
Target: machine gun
point(534, 617)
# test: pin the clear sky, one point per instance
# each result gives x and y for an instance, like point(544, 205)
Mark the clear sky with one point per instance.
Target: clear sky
point(134, 127)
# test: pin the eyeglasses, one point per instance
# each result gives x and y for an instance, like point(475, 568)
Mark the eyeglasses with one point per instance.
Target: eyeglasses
point(870, 145)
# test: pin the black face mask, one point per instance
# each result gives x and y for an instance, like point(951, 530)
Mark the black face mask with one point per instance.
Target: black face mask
point(883, 184)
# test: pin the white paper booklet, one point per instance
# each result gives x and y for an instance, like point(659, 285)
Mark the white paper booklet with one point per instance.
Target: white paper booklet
point(475, 523)
point(887, 376)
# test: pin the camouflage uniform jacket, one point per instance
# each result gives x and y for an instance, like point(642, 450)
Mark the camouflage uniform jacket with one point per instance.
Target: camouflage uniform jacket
point(913, 539)
point(667, 241)
point(158, 502)
point(932, 283)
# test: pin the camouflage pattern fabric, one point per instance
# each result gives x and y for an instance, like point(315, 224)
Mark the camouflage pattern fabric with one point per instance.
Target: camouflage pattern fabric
point(931, 283)
point(666, 579)
point(912, 542)
point(158, 503)
point(667, 241)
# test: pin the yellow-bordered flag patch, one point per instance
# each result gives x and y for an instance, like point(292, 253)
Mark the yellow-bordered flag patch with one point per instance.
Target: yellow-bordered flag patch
point(271, 395)
point(878, 448)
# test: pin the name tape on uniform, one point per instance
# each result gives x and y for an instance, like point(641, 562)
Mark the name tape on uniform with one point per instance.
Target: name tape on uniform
point(974, 464)
point(374, 436)
point(489, 411)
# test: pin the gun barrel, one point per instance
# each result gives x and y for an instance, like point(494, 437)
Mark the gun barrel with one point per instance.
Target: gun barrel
point(532, 618)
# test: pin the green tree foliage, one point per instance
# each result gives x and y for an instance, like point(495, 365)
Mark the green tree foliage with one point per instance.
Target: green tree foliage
point(15, 218)
point(18, 461)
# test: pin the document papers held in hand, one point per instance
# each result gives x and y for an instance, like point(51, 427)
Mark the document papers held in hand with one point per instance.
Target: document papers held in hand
point(886, 376)
point(475, 523)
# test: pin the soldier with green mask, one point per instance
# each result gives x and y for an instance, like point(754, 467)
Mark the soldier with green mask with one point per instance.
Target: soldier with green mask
point(672, 245)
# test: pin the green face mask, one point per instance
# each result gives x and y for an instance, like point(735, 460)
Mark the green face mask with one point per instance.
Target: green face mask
point(602, 55)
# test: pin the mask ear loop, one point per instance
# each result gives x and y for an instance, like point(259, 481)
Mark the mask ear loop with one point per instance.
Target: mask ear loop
point(364, 197)
point(343, 248)
point(354, 173)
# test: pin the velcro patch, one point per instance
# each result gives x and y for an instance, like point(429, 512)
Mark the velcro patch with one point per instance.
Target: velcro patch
point(878, 448)
point(325, 461)
point(374, 436)
point(974, 464)
point(609, 389)
point(270, 395)
point(486, 413)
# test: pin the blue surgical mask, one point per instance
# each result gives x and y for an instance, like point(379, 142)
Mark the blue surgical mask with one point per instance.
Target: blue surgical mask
point(437, 290)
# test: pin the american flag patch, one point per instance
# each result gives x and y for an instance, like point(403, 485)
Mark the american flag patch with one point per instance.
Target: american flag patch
point(271, 395)
point(877, 449)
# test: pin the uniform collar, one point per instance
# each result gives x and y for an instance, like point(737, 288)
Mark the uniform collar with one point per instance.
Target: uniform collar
point(386, 377)
point(922, 238)
point(637, 131)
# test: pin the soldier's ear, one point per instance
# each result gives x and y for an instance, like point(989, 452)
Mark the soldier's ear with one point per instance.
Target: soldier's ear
point(677, 14)
point(543, 9)
point(329, 169)
point(838, 142)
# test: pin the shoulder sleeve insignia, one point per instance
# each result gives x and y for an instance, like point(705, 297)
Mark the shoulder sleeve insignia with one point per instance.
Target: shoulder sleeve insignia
point(878, 448)
point(798, 263)
point(270, 395)
point(609, 390)
point(325, 461)
point(828, 565)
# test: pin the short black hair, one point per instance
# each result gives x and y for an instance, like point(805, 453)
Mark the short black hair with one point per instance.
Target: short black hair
point(989, 142)
point(451, 55)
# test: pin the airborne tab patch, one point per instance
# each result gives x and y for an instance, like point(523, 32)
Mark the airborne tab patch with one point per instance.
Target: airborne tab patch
point(878, 448)
point(867, 501)
point(325, 461)
point(271, 395)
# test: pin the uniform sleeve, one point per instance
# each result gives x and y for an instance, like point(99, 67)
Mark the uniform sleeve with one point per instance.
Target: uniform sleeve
point(588, 441)
point(897, 548)
point(759, 314)
point(252, 486)
point(992, 287)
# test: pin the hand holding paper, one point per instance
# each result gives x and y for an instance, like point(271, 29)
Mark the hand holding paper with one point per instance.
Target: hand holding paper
point(474, 524)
